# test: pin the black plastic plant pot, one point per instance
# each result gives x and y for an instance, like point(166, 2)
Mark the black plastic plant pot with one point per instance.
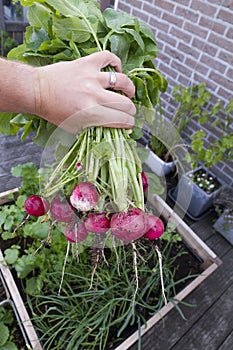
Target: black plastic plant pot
point(196, 201)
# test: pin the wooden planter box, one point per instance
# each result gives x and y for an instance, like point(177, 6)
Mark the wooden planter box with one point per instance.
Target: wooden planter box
point(199, 248)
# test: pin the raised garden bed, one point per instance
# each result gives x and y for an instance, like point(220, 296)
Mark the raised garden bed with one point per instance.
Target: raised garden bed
point(206, 258)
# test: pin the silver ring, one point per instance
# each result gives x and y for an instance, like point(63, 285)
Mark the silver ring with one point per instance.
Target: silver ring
point(112, 80)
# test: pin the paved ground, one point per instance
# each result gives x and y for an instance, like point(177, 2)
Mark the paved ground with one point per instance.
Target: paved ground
point(13, 151)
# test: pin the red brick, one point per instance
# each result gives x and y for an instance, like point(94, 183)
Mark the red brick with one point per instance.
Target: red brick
point(179, 33)
point(187, 14)
point(229, 33)
point(183, 2)
point(141, 15)
point(224, 3)
point(204, 46)
point(219, 79)
point(173, 19)
point(213, 63)
point(220, 41)
point(195, 65)
point(135, 3)
point(164, 58)
point(165, 5)
point(168, 71)
point(181, 68)
point(213, 26)
point(204, 8)
point(159, 24)
point(188, 50)
point(230, 73)
point(183, 80)
point(226, 16)
point(222, 93)
point(226, 57)
point(166, 38)
point(174, 53)
point(196, 29)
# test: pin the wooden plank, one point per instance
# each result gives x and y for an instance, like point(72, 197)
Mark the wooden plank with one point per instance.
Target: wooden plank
point(227, 343)
point(213, 327)
point(20, 307)
point(4, 196)
point(166, 333)
point(192, 239)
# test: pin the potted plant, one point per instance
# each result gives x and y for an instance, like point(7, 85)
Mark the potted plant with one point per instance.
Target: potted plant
point(224, 206)
point(197, 188)
point(163, 136)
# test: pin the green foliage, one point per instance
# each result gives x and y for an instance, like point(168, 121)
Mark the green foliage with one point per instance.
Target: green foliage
point(7, 43)
point(67, 30)
point(195, 103)
point(7, 331)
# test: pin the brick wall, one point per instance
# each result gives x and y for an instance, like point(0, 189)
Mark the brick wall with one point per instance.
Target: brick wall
point(195, 39)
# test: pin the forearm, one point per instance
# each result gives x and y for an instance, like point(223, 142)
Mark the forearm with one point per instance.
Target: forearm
point(17, 87)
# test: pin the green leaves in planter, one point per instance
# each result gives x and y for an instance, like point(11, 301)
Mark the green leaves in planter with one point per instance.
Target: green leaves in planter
point(66, 30)
point(4, 334)
point(12, 254)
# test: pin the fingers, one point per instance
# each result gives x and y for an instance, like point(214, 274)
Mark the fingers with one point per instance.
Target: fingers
point(98, 116)
point(123, 83)
point(118, 102)
point(105, 58)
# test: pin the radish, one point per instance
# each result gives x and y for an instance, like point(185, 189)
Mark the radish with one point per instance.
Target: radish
point(97, 223)
point(155, 227)
point(129, 225)
point(84, 196)
point(36, 205)
point(145, 181)
point(61, 210)
point(75, 232)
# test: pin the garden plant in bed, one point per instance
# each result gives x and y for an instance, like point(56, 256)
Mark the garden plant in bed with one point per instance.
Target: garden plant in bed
point(95, 296)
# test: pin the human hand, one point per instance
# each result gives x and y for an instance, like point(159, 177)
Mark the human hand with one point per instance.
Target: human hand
point(75, 94)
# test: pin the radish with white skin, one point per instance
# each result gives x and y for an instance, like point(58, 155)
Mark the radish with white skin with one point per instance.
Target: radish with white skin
point(84, 196)
point(97, 223)
point(155, 227)
point(75, 232)
point(129, 225)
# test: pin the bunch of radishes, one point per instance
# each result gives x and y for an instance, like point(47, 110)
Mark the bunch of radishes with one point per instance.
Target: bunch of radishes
point(80, 216)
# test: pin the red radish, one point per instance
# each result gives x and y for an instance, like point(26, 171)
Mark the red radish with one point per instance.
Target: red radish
point(129, 225)
point(145, 181)
point(84, 196)
point(97, 223)
point(36, 205)
point(61, 210)
point(75, 232)
point(156, 227)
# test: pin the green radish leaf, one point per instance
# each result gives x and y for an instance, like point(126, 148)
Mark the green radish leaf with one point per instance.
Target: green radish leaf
point(11, 255)
point(4, 334)
point(155, 185)
point(39, 16)
point(9, 346)
point(25, 265)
